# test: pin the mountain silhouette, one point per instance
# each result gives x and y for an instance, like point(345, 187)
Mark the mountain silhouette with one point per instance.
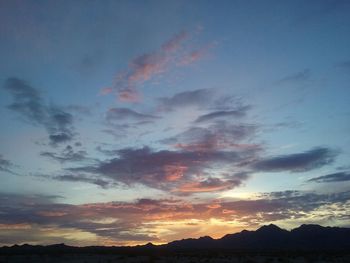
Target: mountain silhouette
point(305, 237)
point(266, 238)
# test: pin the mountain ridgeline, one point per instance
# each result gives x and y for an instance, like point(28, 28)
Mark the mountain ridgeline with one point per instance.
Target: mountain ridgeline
point(305, 237)
point(266, 238)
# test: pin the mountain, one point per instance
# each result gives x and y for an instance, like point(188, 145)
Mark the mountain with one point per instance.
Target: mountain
point(266, 238)
point(305, 237)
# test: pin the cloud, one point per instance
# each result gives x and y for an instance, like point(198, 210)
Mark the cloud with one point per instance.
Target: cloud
point(298, 162)
point(107, 151)
point(209, 185)
point(170, 170)
point(199, 98)
point(121, 122)
point(301, 76)
point(145, 219)
point(197, 160)
point(148, 66)
point(220, 135)
point(210, 100)
point(330, 178)
point(238, 113)
point(193, 56)
point(67, 155)
point(121, 114)
point(129, 94)
point(85, 179)
point(5, 165)
point(175, 42)
point(28, 103)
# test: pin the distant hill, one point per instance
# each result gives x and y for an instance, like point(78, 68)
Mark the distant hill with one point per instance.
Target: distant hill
point(266, 238)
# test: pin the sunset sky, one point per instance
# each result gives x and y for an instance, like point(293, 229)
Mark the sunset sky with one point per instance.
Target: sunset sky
point(127, 122)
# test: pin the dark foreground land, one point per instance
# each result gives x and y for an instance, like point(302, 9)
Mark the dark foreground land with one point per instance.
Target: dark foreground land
point(185, 257)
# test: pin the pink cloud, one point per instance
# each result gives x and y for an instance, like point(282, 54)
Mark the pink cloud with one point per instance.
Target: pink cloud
point(106, 91)
point(129, 95)
point(147, 67)
point(175, 43)
point(192, 57)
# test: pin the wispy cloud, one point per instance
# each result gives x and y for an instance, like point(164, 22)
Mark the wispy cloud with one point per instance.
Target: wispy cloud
point(199, 98)
point(237, 113)
point(297, 77)
point(210, 185)
point(122, 114)
point(5, 165)
point(218, 136)
point(102, 182)
point(27, 101)
point(298, 162)
point(330, 178)
point(215, 105)
point(146, 67)
point(68, 154)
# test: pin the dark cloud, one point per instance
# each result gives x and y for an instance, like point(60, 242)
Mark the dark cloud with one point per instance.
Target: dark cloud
point(60, 138)
point(199, 98)
point(5, 165)
point(330, 178)
point(220, 135)
point(238, 113)
point(296, 77)
point(67, 155)
point(170, 170)
point(299, 162)
point(122, 114)
point(28, 103)
point(85, 179)
point(197, 151)
point(217, 106)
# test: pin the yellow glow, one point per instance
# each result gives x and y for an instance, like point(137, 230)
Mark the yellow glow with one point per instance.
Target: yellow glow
point(237, 194)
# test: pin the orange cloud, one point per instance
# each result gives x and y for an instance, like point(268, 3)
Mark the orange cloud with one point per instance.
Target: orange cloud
point(174, 172)
point(209, 185)
point(14, 226)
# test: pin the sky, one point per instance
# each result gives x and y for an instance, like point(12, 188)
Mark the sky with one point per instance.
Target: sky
point(127, 122)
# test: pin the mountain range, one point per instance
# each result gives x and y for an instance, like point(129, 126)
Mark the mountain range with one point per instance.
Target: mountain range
point(305, 237)
point(269, 237)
